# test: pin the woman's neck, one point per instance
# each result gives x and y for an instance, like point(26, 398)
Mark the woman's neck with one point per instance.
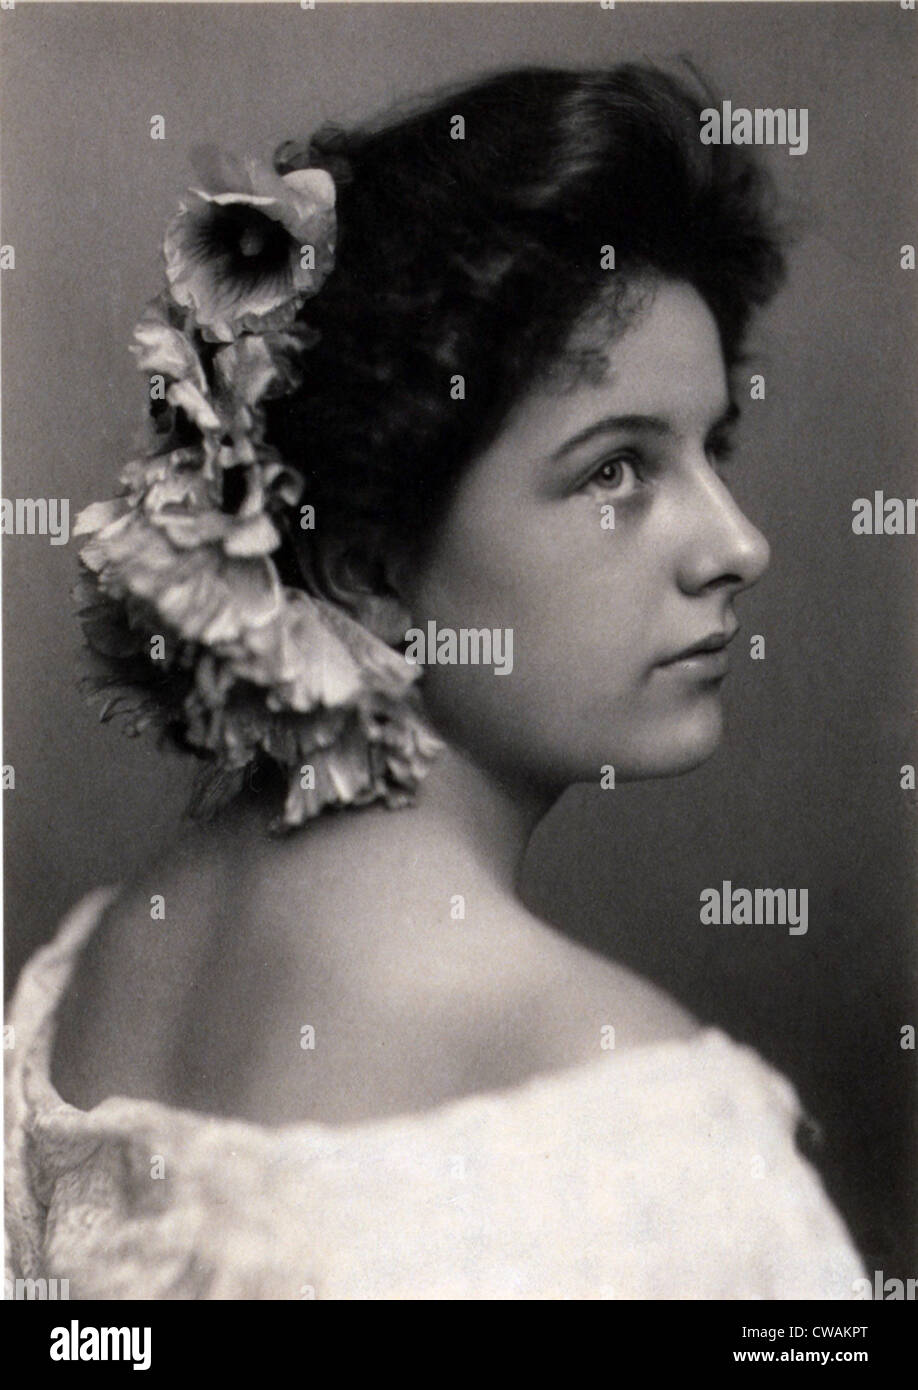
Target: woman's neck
point(372, 875)
point(481, 817)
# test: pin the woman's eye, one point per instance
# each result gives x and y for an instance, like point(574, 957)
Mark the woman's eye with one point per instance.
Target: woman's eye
point(613, 473)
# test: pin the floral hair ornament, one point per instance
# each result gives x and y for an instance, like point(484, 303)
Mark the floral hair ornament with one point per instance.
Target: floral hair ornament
point(181, 598)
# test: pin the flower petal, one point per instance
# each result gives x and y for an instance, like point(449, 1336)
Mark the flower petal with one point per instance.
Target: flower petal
point(256, 536)
point(98, 515)
point(159, 347)
point(187, 397)
point(246, 368)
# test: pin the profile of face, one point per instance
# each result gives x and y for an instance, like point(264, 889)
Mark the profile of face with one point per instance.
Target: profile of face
point(601, 615)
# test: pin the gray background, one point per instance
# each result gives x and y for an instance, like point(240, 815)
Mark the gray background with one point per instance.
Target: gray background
point(805, 792)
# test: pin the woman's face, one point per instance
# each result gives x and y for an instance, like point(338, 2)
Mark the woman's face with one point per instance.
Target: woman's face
point(598, 616)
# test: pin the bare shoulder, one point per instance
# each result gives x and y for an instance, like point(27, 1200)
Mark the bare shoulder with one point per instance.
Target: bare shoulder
point(590, 994)
point(126, 1006)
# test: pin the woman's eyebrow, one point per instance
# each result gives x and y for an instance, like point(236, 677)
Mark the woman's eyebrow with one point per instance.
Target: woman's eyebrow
point(648, 424)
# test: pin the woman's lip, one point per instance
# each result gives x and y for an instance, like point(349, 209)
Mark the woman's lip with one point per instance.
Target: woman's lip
point(707, 646)
point(708, 664)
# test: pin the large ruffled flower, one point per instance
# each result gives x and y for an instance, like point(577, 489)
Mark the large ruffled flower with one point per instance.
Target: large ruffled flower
point(245, 252)
point(274, 672)
point(303, 651)
point(246, 668)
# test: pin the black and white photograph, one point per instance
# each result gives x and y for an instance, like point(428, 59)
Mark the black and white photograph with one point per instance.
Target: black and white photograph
point(460, 721)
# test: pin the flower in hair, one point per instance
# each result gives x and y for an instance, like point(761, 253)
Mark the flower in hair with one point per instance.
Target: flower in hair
point(181, 588)
point(251, 245)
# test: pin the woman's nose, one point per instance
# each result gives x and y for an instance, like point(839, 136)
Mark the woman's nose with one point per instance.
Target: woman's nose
point(722, 545)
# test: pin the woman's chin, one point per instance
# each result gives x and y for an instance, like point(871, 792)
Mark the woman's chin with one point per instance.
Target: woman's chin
point(696, 748)
point(675, 750)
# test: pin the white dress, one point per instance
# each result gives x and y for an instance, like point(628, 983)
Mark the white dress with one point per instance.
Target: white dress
point(664, 1171)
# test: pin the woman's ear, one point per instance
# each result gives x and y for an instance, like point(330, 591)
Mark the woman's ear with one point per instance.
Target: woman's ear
point(361, 582)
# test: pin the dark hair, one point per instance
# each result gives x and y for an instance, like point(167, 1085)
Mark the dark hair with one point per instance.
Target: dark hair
point(478, 255)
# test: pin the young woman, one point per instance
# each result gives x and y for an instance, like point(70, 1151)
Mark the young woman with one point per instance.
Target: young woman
point(432, 515)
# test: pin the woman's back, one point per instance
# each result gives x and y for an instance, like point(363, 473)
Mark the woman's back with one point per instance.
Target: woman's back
point(205, 1005)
